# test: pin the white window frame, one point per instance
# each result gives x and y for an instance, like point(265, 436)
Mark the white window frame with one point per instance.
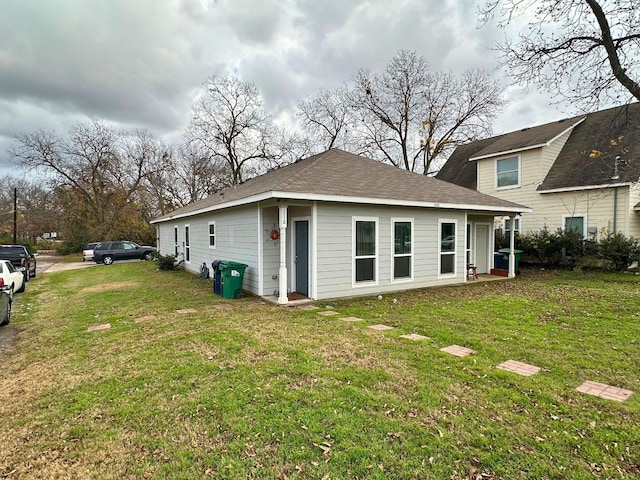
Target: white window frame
point(455, 250)
point(395, 255)
point(367, 283)
point(176, 241)
point(584, 222)
point(187, 243)
point(518, 224)
point(507, 187)
point(469, 237)
point(212, 247)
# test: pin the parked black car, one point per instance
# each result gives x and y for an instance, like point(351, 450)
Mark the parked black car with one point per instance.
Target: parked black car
point(5, 305)
point(109, 252)
point(21, 257)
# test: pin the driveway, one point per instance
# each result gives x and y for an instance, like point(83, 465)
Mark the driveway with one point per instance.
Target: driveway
point(53, 263)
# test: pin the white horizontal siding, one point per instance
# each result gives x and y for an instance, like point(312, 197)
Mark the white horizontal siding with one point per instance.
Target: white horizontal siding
point(236, 240)
point(335, 249)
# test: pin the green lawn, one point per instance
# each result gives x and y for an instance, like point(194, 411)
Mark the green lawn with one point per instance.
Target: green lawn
point(258, 391)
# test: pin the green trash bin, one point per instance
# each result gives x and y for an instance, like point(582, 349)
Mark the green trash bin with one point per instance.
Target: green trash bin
point(505, 262)
point(232, 276)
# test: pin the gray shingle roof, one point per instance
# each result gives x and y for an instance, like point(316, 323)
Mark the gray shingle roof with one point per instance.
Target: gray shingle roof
point(576, 165)
point(336, 175)
point(588, 156)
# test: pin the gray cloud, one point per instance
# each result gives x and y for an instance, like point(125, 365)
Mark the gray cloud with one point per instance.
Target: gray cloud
point(138, 64)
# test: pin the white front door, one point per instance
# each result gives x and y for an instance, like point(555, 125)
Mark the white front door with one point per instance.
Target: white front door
point(482, 252)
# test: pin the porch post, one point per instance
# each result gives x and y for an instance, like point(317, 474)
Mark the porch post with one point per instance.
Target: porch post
point(282, 273)
point(512, 243)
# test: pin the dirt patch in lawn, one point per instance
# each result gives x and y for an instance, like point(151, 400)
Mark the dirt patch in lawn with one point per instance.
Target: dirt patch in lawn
point(104, 287)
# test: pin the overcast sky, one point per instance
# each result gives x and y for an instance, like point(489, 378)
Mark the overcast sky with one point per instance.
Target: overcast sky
point(138, 63)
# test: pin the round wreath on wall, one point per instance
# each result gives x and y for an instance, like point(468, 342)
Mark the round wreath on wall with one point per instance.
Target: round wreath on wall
point(274, 234)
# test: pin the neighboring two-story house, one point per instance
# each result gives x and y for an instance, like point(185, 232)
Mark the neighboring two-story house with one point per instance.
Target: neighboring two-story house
point(581, 173)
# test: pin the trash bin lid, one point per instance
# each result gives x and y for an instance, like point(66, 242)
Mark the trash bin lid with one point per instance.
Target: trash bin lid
point(508, 250)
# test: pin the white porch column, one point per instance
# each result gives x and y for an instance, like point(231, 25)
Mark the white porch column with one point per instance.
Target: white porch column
point(512, 246)
point(282, 272)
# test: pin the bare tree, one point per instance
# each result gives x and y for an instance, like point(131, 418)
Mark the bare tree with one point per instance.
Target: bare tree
point(410, 116)
point(96, 172)
point(585, 51)
point(37, 209)
point(327, 120)
point(229, 124)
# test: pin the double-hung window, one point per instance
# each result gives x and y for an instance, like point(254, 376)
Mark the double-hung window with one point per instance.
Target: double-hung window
point(508, 172)
point(212, 234)
point(175, 241)
point(447, 254)
point(365, 249)
point(577, 224)
point(402, 249)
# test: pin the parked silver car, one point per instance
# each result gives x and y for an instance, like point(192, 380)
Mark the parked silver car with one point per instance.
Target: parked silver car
point(87, 251)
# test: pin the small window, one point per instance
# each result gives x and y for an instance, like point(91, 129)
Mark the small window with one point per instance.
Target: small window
point(187, 244)
point(402, 249)
point(447, 248)
point(212, 234)
point(576, 224)
point(507, 224)
point(175, 241)
point(507, 172)
point(365, 249)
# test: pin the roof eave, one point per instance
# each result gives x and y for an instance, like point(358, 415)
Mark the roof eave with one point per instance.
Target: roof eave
point(585, 187)
point(532, 147)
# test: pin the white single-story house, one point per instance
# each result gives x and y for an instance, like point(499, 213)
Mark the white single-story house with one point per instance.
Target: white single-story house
point(337, 225)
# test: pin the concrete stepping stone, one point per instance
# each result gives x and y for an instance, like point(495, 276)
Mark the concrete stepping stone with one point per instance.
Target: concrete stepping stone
point(187, 310)
point(328, 313)
point(256, 302)
point(603, 390)
point(308, 307)
point(414, 336)
point(222, 306)
point(143, 319)
point(380, 327)
point(458, 351)
point(351, 319)
point(519, 368)
point(102, 326)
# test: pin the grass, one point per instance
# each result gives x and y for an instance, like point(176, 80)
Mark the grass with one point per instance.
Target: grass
point(257, 391)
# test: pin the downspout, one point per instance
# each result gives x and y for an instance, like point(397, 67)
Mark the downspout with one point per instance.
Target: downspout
point(615, 209)
point(615, 193)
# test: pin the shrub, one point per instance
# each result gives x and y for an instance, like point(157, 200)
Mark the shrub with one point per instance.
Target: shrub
point(166, 262)
point(619, 251)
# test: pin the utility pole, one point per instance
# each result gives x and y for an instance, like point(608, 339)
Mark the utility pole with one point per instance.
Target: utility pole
point(15, 214)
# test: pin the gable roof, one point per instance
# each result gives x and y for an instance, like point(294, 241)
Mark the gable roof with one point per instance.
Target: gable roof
point(339, 176)
point(577, 166)
point(588, 157)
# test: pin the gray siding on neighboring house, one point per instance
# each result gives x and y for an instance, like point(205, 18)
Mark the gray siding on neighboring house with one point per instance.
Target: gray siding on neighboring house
point(236, 240)
point(335, 249)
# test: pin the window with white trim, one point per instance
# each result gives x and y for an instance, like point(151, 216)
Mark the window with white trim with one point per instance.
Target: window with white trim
point(212, 234)
point(365, 249)
point(402, 249)
point(187, 244)
point(576, 223)
point(447, 247)
point(508, 172)
point(175, 241)
point(467, 246)
point(507, 225)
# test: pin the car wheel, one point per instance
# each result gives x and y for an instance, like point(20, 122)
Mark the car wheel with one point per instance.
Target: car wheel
point(8, 315)
point(21, 288)
point(148, 256)
point(107, 260)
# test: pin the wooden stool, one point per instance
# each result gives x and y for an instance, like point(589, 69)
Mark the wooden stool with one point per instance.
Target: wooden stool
point(472, 272)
